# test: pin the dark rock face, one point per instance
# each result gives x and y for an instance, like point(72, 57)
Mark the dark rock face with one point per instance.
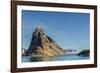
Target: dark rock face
point(43, 45)
point(84, 53)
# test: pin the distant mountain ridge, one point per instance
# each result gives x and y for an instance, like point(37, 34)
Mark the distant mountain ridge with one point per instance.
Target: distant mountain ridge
point(42, 44)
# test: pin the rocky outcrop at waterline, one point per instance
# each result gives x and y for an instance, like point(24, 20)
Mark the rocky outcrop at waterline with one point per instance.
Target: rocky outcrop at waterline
point(23, 51)
point(43, 45)
point(84, 53)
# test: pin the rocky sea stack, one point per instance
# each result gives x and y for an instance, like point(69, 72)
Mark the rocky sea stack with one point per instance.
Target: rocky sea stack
point(43, 45)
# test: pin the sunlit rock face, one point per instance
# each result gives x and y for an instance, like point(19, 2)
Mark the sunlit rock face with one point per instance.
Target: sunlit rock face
point(43, 45)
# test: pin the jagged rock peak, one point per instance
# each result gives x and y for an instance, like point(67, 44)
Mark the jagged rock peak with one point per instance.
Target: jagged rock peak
point(39, 31)
point(42, 44)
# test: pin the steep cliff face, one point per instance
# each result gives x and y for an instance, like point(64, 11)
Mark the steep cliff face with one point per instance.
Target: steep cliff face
point(41, 44)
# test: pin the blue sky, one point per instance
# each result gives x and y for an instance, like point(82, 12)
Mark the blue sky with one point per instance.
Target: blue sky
point(69, 30)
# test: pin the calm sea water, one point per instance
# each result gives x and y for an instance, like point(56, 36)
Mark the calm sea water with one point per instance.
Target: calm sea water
point(55, 58)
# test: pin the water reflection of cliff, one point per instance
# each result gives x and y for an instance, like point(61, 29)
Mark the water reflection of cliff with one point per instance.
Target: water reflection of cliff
point(46, 58)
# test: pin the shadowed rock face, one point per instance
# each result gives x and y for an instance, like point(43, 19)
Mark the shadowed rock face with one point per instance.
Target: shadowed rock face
point(84, 53)
point(43, 45)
